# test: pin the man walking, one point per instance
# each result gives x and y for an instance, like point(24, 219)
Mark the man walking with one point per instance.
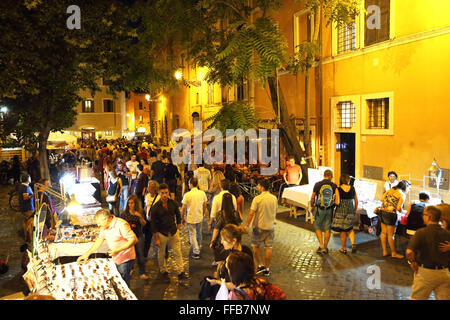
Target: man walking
point(194, 202)
point(429, 264)
point(323, 200)
point(166, 223)
point(121, 240)
point(263, 212)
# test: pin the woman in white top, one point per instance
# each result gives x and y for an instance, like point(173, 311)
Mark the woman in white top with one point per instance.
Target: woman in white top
point(151, 198)
point(392, 182)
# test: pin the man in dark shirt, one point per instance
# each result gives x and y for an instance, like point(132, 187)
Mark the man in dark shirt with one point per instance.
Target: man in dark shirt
point(26, 205)
point(429, 264)
point(141, 185)
point(322, 203)
point(166, 223)
point(158, 168)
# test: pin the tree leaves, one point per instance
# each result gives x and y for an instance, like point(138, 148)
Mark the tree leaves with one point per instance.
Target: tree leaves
point(235, 115)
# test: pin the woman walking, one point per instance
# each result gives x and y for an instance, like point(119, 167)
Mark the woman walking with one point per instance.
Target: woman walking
point(345, 214)
point(134, 215)
point(114, 192)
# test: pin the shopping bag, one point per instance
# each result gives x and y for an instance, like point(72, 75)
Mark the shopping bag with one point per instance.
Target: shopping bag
point(222, 294)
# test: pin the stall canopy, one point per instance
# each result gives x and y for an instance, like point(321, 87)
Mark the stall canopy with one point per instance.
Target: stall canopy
point(59, 140)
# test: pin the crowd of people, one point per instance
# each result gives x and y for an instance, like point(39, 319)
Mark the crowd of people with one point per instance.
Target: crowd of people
point(150, 198)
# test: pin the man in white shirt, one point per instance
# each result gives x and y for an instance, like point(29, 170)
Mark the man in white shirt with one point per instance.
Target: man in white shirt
point(204, 177)
point(194, 209)
point(132, 166)
point(263, 212)
point(217, 202)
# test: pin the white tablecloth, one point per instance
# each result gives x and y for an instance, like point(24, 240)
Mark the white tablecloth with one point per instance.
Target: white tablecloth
point(64, 249)
point(298, 195)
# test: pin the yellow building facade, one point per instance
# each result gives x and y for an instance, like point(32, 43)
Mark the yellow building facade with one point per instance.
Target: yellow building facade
point(378, 100)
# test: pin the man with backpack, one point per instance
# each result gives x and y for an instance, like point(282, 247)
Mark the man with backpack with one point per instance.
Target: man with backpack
point(323, 200)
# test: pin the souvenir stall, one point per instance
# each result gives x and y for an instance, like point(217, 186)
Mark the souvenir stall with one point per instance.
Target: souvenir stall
point(75, 229)
point(300, 196)
point(97, 279)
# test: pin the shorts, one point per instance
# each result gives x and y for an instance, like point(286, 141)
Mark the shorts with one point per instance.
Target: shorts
point(260, 237)
point(322, 218)
point(388, 218)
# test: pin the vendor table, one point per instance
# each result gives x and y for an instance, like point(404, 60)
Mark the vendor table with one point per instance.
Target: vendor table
point(299, 196)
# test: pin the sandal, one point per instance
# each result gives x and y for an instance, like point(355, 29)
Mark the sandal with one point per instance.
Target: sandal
point(344, 251)
point(398, 256)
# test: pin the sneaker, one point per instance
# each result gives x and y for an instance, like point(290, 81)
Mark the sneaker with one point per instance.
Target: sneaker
point(260, 270)
point(325, 251)
point(196, 256)
point(144, 277)
point(182, 276)
point(266, 272)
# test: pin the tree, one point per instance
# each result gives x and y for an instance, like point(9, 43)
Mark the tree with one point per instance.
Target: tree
point(340, 12)
point(45, 65)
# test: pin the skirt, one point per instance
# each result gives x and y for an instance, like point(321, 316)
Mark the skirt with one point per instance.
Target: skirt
point(344, 216)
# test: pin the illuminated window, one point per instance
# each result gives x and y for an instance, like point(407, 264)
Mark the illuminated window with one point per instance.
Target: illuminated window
point(141, 119)
point(88, 106)
point(378, 113)
point(346, 114)
point(346, 38)
point(108, 133)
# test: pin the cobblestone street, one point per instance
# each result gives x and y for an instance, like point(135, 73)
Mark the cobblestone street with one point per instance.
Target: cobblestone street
point(296, 268)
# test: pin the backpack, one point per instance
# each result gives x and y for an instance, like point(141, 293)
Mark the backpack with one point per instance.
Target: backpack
point(263, 290)
point(326, 196)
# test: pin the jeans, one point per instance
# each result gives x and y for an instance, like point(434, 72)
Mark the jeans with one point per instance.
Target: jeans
point(175, 243)
point(123, 198)
point(139, 247)
point(114, 208)
point(125, 269)
point(148, 234)
point(195, 236)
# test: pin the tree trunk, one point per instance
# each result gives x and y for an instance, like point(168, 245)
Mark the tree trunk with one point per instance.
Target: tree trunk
point(43, 158)
point(307, 126)
point(286, 125)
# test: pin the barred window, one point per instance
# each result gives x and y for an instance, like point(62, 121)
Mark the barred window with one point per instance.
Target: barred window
point(378, 113)
point(346, 114)
point(108, 106)
point(140, 105)
point(346, 38)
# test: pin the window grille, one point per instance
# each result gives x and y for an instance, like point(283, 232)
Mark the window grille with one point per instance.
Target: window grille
point(346, 114)
point(346, 38)
point(378, 113)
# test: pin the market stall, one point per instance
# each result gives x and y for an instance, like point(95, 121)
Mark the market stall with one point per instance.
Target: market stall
point(300, 196)
point(98, 279)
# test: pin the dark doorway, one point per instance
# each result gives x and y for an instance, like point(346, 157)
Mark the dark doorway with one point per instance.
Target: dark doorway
point(347, 148)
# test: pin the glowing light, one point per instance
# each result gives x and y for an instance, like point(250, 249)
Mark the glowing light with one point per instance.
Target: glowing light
point(178, 75)
point(147, 97)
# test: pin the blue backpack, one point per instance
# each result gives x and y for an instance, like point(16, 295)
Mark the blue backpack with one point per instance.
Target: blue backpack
point(326, 196)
